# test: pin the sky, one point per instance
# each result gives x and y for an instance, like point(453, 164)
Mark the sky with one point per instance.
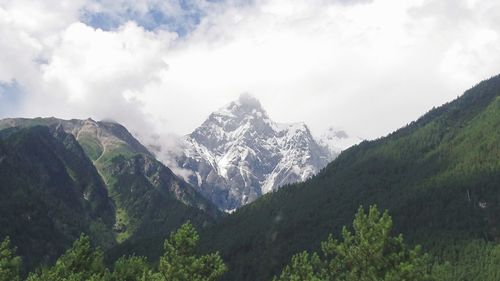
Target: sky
point(160, 67)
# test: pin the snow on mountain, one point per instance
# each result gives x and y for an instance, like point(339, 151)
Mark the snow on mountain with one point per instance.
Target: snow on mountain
point(337, 140)
point(239, 154)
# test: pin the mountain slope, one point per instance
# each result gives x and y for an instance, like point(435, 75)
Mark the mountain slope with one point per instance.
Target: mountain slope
point(103, 141)
point(439, 177)
point(51, 193)
point(145, 198)
point(239, 153)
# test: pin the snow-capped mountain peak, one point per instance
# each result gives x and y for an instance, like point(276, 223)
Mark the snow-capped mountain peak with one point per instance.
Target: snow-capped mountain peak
point(239, 153)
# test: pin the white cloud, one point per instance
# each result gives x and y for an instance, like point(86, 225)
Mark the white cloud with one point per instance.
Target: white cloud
point(96, 73)
point(369, 68)
point(28, 29)
point(86, 57)
point(79, 71)
point(366, 66)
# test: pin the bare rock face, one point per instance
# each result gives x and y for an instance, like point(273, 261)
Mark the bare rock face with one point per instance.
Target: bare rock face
point(239, 154)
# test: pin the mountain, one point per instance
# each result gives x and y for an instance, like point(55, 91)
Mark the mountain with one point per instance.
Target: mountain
point(138, 195)
point(439, 177)
point(239, 153)
point(51, 193)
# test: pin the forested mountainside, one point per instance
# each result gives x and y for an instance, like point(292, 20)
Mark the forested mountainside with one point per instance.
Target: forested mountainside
point(63, 178)
point(439, 177)
point(51, 193)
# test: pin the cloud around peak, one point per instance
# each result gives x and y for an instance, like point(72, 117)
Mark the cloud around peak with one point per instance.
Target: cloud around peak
point(367, 66)
point(249, 100)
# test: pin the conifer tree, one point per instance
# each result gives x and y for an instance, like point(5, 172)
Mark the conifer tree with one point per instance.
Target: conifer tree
point(368, 254)
point(80, 263)
point(180, 262)
point(132, 269)
point(9, 263)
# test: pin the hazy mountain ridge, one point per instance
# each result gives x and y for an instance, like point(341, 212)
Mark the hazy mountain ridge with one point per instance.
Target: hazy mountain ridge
point(239, 154)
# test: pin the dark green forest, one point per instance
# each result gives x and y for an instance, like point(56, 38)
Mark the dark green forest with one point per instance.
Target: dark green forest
point(82, 262)
point(438, 178)
point(370, 253)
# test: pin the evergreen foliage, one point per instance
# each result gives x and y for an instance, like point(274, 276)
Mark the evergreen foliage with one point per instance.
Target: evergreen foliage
point(81, 262)
point(84, 263)
point(304, 266)
point(10, 264)
point(474, 260)
point(180, 263)
point(132, 268)
point(368, 254)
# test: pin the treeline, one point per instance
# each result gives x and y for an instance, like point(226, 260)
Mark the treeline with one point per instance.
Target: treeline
point(367, 252)
point(84, 263)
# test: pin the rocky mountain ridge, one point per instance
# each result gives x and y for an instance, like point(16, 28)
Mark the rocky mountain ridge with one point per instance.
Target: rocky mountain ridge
point(239, 154)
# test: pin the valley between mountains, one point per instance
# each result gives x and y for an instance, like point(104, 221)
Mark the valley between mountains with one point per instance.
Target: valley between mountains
point(258, 191)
